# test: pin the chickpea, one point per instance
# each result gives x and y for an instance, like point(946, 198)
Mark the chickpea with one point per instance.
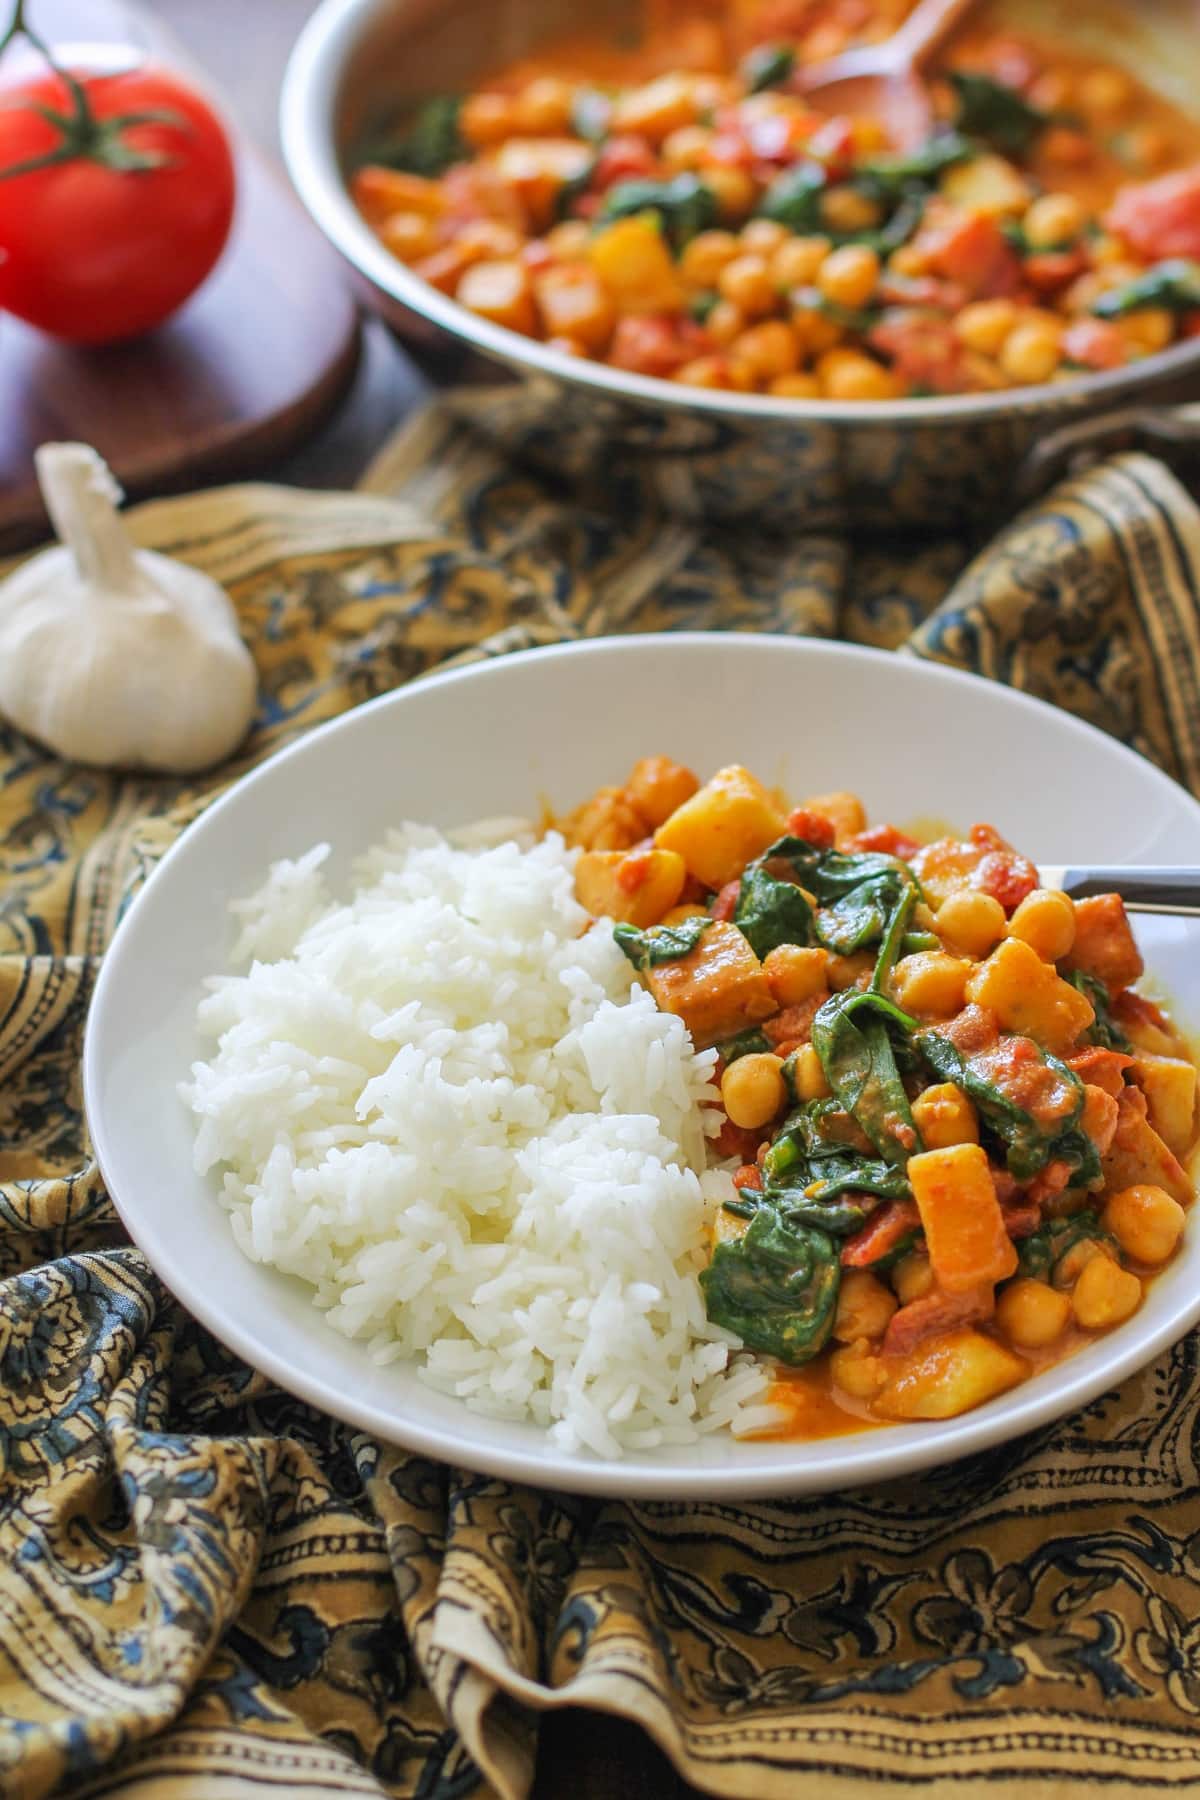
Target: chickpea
point(569, 241)
point(808, 1075)
point(944, 1116)
point(1105, 1294)
point(844, 971)
point(852, 375)
point(794, 974)
point(768, 349)
point(1149, 328)
point(984, 325)
point(1073, 1262)
point(797, 260)
point(1030, 352)
point(747, 282)
point(857, 1371)
point(753, 1090)
point(763, 236)
point(658, 787)
point(409, 235)
point(543, 109)
point(725, 322)
point(864, 1307)
point(1145, 1221)
point(1104, 95)
point(687, 148)
point(1031, 1314)
point(1053, 219)
point(486, 119)
point(795, 387)
point(912, 1277)
point(970, 922)
point(815, 331)
point(845, 210)
point(930, 983)
point(1045, 920)
point(705, 256)
point(909, 260)
point(715, 372)
point(848, 276)
point(733, 190)
point(870, 135)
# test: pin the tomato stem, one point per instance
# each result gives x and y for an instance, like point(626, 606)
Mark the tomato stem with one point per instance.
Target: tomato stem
point(83, 134)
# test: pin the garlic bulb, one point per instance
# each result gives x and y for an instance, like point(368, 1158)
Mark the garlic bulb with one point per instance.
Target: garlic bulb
point(116, 656)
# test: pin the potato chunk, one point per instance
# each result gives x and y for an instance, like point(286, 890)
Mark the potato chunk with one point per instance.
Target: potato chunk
point(1138, 1155)
point(964, 1227)
point(727, 823)
point(1169, 1085)
point(1028, 997)
point(637, 886)
point(634, 264)
point(1104, 944)
point(717, 989)
point(949, 1375)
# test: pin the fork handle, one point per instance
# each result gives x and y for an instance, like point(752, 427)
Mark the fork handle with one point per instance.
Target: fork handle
point(1159, 890)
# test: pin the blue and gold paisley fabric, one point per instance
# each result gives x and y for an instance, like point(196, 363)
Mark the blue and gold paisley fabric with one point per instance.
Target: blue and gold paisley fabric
point(209, 1591)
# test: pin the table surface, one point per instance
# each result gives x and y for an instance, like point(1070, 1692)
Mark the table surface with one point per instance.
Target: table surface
point(244, 48)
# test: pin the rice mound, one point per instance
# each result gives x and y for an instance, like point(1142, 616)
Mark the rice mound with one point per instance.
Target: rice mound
point(447, 1107)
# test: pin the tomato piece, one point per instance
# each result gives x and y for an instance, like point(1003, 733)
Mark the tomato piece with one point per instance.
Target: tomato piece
point(922, 348)
point(656, 343)
point(748, 1176)
point(92, 251)
point(883, 1232)
point(1050, 270)
point(971, 249)
point(812, 826)
point(889, 840)
point(735, 1140)
point(725, 904)
point(1095, 343)
point(1006, 876)
point(1160, 217)
point(933, 1313)
point(625, 157)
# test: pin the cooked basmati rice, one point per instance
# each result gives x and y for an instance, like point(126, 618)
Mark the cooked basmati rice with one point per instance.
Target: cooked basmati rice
point(447, 1107)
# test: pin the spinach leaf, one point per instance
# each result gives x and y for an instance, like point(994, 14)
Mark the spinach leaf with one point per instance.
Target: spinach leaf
point(831, 873)
point(809, 1163)
point(685, 205)
point(776, 1286)
point(1103, 1030)
point(794, 198)
point(1040, 1254)
point(862, 914)
point(850, 1035)
point(771, 912)
point(837, 1216)
point(1174, 285)
point(915, 941)
point(429, 143)
point(890, 177)
point(1029, 1146)
point(995, 112)
point(767, 66)
point(747, 1043)
point(660, 943)
point(854, 318)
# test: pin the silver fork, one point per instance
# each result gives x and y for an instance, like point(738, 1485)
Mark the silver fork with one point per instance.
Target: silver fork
point(1144, 889)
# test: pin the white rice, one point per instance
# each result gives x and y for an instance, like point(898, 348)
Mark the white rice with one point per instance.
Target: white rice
point(449, 1108)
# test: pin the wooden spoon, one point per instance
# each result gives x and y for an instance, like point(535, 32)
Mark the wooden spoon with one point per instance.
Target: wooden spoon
point(884, 80)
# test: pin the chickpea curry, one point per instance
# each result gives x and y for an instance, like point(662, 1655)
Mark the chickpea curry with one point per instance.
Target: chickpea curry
point(958, 1132)
point(681, 210)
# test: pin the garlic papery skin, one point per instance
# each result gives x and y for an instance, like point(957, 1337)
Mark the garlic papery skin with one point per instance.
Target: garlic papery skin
point(116, 656)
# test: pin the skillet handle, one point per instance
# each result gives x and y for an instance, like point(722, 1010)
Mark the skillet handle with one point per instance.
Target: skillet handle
point(1169, 432)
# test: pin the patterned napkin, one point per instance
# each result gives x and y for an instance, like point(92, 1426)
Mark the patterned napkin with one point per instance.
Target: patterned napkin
point(209, 1591)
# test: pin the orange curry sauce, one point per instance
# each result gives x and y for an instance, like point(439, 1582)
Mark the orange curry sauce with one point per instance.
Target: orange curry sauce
point(959, 1136)
point(678, 209)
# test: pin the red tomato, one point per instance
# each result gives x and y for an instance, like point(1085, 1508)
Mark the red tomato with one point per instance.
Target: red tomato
point(91, 248)
point(1160, 218)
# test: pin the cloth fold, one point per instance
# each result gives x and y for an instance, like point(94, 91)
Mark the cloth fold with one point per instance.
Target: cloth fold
point(208, 1590)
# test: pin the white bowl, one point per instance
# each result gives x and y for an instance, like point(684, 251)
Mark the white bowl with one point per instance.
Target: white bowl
point(913, 738)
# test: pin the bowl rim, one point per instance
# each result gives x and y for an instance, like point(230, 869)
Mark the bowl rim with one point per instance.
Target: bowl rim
point(865, 1458)
point(305, 115)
